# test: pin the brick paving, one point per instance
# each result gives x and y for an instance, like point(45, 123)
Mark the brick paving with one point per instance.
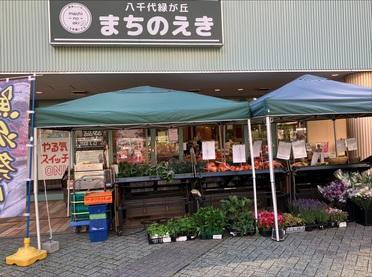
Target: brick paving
point(332, 252)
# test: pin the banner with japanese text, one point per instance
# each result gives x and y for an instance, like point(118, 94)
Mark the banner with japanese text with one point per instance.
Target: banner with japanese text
point(136, 22)
point(53, 154)
point(14, 127)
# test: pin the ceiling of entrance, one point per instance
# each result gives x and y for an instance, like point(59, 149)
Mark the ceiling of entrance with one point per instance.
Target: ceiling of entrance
point(228, 85)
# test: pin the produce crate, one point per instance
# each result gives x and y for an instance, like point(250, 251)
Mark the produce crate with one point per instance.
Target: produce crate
point(97, 209)
point(77, 197)
point(96, 198)
point(97, 236)
point(98, 225)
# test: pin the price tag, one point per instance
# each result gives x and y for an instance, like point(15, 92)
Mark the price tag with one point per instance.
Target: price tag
point(217, 236)
point(209, 150)
point(239, 153)
point(284, 150)
point(351, 144)
point(299, 149)
point(257, 148)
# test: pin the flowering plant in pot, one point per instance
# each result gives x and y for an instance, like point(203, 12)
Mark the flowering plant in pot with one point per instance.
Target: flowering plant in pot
point(293, 224)
point(266, 223)
point(210, 222)
point(238, 216)
point(312, 211)
point(337, 217)
point(361, 196)
point(337, 192)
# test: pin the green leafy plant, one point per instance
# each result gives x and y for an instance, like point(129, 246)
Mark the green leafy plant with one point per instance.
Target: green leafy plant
point(158, 230)
point(238, 216)
point(209, 221)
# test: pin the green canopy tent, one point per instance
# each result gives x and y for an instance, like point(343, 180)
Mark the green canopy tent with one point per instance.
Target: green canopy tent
point(141, 106)
point(145, 107)
point(310, 97)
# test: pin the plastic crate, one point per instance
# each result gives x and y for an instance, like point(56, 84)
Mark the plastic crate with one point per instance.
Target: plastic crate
point(96, 198)
point(77, 196)
point(97, 209)
point(98, 225)
point(79, 208)
point(97, 216)
point(96, 236)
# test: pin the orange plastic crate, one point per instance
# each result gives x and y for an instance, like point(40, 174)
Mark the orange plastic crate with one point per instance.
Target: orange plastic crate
point(96, 198)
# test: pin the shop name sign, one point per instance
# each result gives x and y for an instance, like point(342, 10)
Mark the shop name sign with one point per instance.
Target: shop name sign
point(136, 22)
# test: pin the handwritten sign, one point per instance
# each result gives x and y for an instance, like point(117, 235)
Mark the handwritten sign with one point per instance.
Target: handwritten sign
point(239, 155)
point(299, 149)
point(53, 158)
point(257, 148)
point(173, 135)
point(351, 144)
point(284, 150)
point(340, 146)
point(209, 150)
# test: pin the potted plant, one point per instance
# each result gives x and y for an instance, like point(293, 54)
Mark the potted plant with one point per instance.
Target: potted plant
point(266, 224)
point(158, 233)
point(210, 223)
point(293, 224)
point(312, 211)
point(337, 217)
point(322, 218)
point(238, 216)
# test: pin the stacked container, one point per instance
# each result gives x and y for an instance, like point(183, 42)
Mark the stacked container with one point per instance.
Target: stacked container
point(99, 224)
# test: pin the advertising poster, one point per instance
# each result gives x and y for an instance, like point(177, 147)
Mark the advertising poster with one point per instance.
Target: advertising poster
point(53, 151)
point(14, 104)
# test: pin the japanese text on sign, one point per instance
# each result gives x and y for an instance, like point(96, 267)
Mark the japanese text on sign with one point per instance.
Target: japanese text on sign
point(53, 158)
point(14, 101)
point(178, 22)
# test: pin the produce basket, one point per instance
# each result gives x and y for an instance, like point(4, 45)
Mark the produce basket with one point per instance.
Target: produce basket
point(338, 160)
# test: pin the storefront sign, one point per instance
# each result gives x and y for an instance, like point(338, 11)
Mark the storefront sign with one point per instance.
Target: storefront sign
point(14, 104)
point(53, 158)
point(136, 22)
point(90, 138)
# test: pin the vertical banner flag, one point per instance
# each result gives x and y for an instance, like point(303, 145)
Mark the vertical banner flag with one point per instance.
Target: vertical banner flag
point(14, 104)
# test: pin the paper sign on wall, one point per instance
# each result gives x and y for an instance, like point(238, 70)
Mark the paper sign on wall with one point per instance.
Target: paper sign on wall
point(209, 150)
point(284, 150)
point(351, 144)
point(299, 149)
point(340, 146)
point(239, 153)
point(257, 148)
point(173, 135)
point(315, 158)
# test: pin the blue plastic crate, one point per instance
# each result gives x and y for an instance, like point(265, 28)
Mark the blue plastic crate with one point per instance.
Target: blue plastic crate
point(98, 225)
point(96, 236)
point(97, 209)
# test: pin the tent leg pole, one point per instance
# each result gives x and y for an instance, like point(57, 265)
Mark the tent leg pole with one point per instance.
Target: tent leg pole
point(36, 190)
point(272, 177)
point(334, 135)
point(253, 169)
point(69, 172)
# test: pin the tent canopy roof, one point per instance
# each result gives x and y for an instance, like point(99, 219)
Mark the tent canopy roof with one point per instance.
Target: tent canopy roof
point(310, 96)
point(141, 106)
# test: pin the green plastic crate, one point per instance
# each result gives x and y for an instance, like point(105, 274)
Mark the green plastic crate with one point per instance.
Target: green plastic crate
point(97, 216)
point(78, 196)
point(79, 208)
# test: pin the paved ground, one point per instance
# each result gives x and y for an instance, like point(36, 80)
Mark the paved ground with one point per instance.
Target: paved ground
point(333, 252)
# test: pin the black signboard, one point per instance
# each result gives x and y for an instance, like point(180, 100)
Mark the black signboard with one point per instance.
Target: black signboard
point(136, 22)
point(90, 138)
